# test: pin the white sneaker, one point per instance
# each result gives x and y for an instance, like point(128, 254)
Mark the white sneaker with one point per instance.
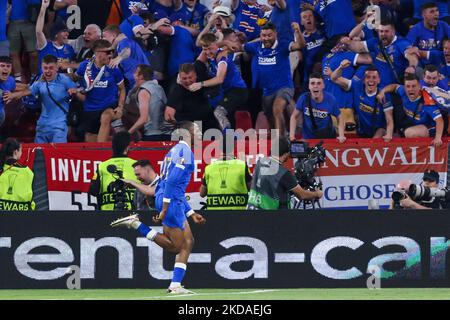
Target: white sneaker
point(179, 290)
point(125, 222)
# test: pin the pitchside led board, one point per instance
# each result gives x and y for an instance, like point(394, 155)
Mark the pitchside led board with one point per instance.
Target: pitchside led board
point(354, 173)
point(351, 249)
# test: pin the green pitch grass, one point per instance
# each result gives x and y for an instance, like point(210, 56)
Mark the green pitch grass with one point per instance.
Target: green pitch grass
point(230, 294)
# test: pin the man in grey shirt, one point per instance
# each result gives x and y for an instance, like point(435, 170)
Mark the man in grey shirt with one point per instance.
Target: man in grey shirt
point(144, 107)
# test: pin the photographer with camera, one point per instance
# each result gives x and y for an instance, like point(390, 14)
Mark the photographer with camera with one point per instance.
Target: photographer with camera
point(427, 195)
point(107, 184)
point(272, 183)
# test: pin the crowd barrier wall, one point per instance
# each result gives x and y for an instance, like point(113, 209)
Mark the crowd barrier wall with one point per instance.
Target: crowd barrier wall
point(354, 173)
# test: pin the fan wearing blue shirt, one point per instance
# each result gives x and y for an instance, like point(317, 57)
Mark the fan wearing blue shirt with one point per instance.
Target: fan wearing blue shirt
point(398, 50)
point(431, 78)
point(332, 61)
point(59, 35)
point(273, 71)
point(54, 90)
point(7, 84)
point(182, 44)
point(314, 38)
point(375, 120)
point(22, 35)
point(129, 54)
point(159, 8)
point(103, 95)
point(362, 30)
point(247, 13)
point(442, 5)
point(281, 18)
point(4, 44)
point(441, 59)
point(337, 16)
point(428, 34)
point(445, 62)
point(61, 9)
point(223, 73)
point(315, 109)
point(131, 25)
point(130, 7)
point(168, 6)
point(170, 200)
point(421, 115)
point(192, 13)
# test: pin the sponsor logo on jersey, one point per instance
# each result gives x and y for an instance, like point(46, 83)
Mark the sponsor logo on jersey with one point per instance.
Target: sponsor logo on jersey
point(317, 113)
point(314, 44)
point(266, 61)
point(101, 84)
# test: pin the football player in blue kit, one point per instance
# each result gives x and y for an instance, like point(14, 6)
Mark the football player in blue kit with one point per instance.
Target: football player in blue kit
point(176, 172)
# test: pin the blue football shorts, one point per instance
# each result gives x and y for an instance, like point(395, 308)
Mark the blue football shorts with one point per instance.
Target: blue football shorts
point(175, 216)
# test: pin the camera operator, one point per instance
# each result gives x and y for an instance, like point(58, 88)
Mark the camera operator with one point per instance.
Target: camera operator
point(418, 199)
point(106, 183)
point(272, 183)
point(144, 196)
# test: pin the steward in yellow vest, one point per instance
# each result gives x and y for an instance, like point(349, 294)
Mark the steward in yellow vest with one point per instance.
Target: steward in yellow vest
point(16, 180)
point(225, 183)
point(111, 192)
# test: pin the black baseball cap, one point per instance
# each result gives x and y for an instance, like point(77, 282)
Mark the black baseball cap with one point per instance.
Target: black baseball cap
point(431, 175)
point(58, 27)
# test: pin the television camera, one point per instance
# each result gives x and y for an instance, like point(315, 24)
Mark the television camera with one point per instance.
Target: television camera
point(117, 188)
point(308, 160)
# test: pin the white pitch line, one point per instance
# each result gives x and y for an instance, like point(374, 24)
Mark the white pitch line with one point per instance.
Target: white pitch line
point(178, 296)
point(206, 294)
point(174, 296)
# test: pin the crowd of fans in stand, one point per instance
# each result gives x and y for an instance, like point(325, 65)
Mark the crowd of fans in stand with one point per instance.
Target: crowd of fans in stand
point(316, 68)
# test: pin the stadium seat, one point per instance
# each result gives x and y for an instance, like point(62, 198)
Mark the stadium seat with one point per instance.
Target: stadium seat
point(243, 120)
point(262, 122)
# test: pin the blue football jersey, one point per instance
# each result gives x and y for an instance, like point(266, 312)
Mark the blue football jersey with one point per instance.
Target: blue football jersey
point(268, 62)
point(233, 78)
point(369, 112)
point(417, 111)
point(176, 172)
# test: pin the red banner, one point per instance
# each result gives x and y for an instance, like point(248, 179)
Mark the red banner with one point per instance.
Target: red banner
point(72, 170)
point(372, 168)
point(375, 158)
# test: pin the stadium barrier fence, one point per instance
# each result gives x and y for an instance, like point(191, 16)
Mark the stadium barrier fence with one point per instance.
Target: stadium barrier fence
point(354, 173)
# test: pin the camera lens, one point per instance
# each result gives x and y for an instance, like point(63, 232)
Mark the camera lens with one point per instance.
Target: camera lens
point(419, 192)
point(397, 196)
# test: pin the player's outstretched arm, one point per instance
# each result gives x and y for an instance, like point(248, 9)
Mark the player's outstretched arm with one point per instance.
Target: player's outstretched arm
point(189, 212)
